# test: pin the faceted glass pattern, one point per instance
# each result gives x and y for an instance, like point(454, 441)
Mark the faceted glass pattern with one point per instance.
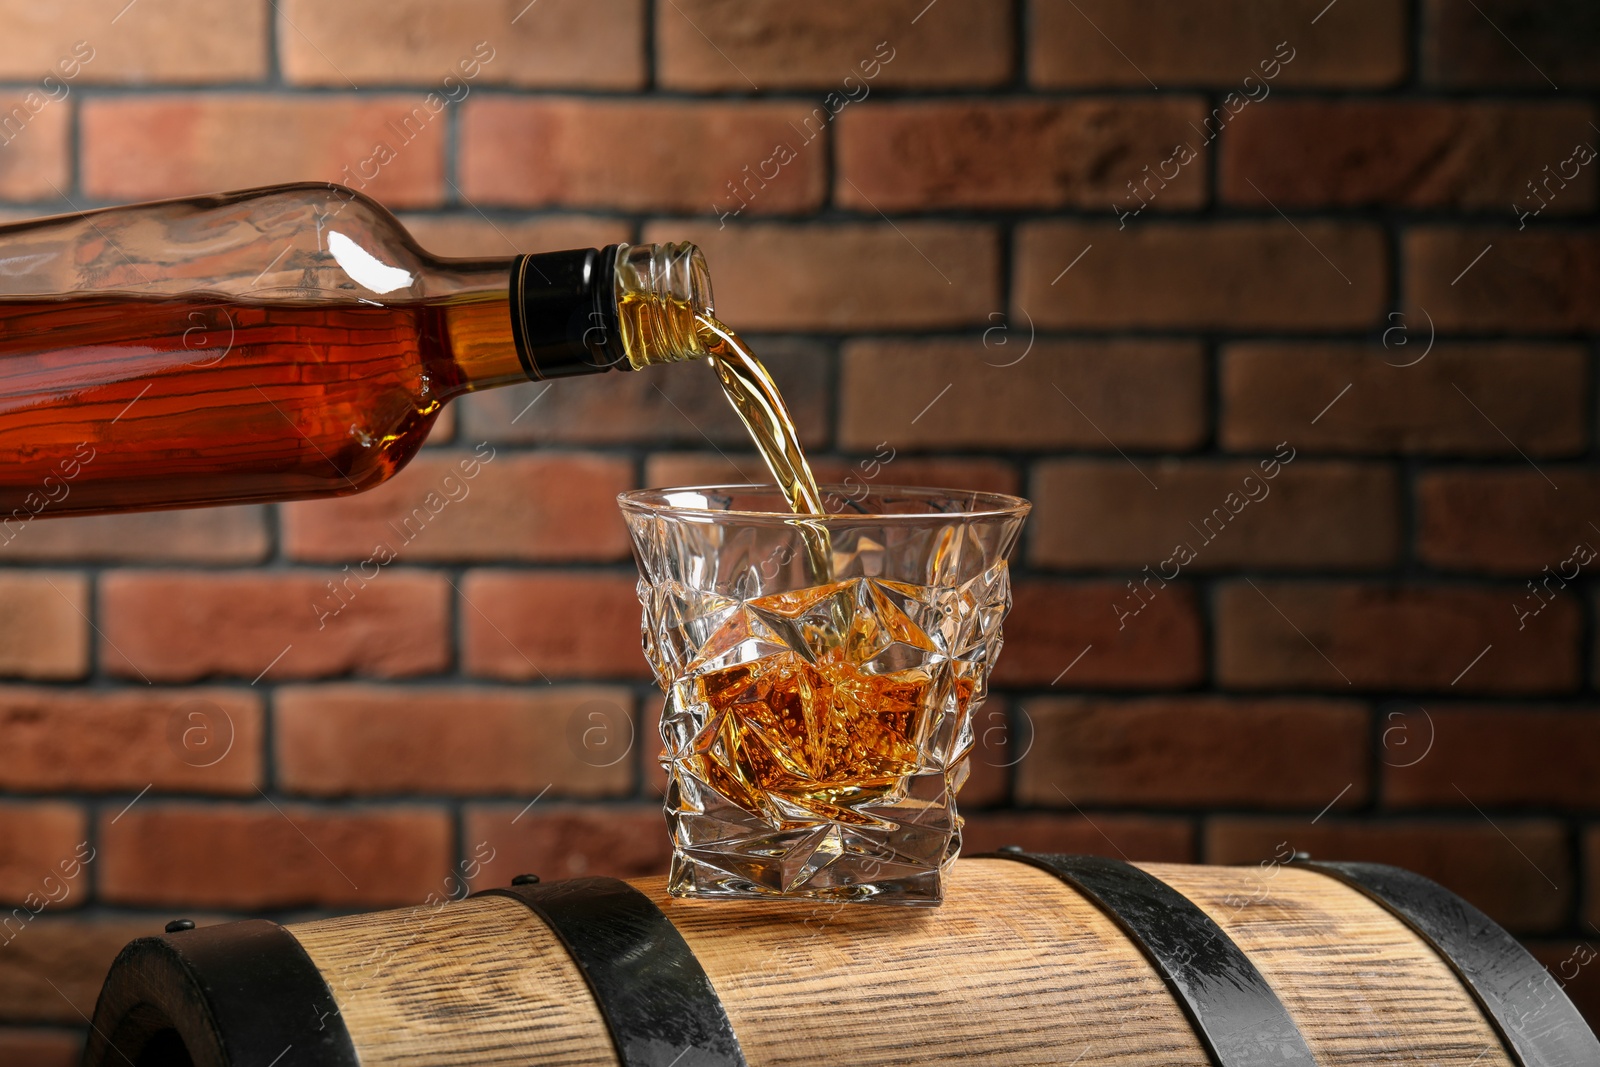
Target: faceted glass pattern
point(818, 726)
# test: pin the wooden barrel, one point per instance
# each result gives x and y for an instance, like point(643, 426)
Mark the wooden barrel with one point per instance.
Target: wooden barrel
point(1031, 960)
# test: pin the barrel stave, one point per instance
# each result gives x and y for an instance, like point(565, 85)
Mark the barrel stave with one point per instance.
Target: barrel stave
point(1014, 968)
point(1362, 986)
point(479, 983)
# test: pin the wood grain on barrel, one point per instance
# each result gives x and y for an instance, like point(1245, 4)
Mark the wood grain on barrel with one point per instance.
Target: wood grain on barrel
point(1363, 988)
point(482, 983)
point(1014, 968)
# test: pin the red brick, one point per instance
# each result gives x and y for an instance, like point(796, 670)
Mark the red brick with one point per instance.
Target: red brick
point(1574, 965)
point(847, 276)
point(538, 625)
point(34, 132)
point(655, 155)
point(1494, 757)
point(1196, 751)
point(72, 955)
point(41, 1048)
point(938, 472)
point(160, 41)
point(682, 403)
point(1508, 42)
point(998, 744)
point(1277, 634)
point(189, 740)
point(589, 43)
point(1595, 659)
point(145, 147)
point(201, 535)
point(729, 468)
point(180, 626)
point(1225, 275)
point(1053, 623)
point(39, 854)
point(1462, 155)
point(451, 505)
point(1105, 513)
point(651, 748)
point(1534, 281)
point(271, 855)
point(1133, 837)
point(562, 841)
point(44, 625)
point(372, 740)
point(1140, 394)
point(471, 236)
point(1216, 42)
point(1479, 861)
point(988, 784)
point(1016, 154)
point(1270, 392)
point(728, 44)
point(1510, 521)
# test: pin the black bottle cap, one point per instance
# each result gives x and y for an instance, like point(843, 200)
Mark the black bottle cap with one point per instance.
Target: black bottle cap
point(564, 313)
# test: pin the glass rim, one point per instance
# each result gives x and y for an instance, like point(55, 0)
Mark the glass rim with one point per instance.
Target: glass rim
point(983, 504)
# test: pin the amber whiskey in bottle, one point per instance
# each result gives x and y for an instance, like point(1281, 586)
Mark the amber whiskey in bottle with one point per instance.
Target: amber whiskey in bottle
point(284, 343)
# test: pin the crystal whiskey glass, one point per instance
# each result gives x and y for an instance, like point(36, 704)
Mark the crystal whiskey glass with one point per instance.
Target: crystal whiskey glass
point(818, 727)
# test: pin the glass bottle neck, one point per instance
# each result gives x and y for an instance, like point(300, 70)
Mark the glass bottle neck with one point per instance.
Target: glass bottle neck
point(468, 318)
point(477, 328)
point(559, 314)
point(663, 303)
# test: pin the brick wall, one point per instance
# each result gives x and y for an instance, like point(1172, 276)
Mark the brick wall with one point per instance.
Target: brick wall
point(1266, 279)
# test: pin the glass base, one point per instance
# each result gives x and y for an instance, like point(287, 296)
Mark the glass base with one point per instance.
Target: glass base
point(899, 856)
point(695, 880)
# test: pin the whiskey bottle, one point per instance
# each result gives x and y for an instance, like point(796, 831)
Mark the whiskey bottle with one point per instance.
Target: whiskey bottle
point(286, 342)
